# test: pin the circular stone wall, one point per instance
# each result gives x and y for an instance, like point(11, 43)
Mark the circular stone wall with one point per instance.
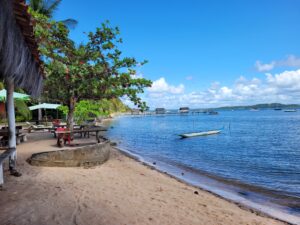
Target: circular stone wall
point(89, 155)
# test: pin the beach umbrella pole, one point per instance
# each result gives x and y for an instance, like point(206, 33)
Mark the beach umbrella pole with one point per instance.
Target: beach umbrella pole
point(40, 115)
point(11, 124)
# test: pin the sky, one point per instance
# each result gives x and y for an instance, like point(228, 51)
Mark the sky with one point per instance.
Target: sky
point(204, 53)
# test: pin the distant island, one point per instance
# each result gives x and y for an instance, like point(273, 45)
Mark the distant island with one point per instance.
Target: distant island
point(260, 106)
point(275, 106)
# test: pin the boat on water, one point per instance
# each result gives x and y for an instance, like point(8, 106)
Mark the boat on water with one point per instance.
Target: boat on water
point(278, 109)
point(290, 110)
point(213, 113)
point(202, 133)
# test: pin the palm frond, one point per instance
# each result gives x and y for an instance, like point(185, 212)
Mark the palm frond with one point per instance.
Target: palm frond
point(52, 5)
point(70, 23)
point(35, 4)
point(48, 7)
point(45, 7)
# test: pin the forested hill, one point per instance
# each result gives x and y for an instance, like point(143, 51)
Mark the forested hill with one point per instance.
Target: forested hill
point(262, 106)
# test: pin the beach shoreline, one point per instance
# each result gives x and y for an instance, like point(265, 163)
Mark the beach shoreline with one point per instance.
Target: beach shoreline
point(254, 198)
point(121, 191)
point(244, 206)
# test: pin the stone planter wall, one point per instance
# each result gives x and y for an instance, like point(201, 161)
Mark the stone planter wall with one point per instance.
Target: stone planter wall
point(89, 155)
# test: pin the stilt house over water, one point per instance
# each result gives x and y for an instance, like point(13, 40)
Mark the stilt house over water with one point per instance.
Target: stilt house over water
point(160, 111)
point(184, 110)
point(20, 66)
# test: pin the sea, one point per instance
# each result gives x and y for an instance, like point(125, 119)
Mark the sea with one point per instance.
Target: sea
point(254, 161)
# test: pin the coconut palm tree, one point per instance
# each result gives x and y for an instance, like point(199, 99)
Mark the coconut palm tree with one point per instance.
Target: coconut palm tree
point(47, 8)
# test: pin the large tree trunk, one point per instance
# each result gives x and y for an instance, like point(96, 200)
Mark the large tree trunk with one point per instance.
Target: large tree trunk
point(70, 119)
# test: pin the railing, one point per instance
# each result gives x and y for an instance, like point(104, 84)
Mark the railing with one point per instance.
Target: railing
point(8, 152)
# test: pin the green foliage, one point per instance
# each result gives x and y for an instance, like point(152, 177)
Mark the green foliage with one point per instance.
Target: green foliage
point(90, 109)
point(95, 70)
point(48, 8)
point(86, 110)
point(64, 109)
point(22, 111)
point(116, 105)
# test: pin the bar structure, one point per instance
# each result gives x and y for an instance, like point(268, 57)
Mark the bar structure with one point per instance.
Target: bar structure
point(20, 66)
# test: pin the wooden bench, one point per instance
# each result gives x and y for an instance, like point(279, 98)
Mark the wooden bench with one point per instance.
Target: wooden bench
point(8, 152)
point(21, 138)
point(4, 135)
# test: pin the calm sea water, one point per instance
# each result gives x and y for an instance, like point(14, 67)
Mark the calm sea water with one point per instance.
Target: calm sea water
point(258, 151)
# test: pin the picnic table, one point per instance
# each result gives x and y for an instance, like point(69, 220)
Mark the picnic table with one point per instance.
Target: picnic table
point(66, 135)
point(4, 135)
point(64, 125)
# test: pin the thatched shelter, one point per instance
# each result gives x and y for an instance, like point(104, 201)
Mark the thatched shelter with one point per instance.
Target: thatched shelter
point(20, 64)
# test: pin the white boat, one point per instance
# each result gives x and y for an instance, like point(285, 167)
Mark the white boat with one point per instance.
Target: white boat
point(290, 110)
point(202, 133)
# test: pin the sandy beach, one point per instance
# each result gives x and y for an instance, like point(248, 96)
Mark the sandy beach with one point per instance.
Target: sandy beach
point(121, 191)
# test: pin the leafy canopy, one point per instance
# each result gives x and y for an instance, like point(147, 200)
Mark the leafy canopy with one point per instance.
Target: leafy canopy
point(92, 70)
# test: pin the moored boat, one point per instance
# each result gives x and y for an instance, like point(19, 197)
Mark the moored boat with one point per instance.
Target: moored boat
point(202, 133)
point(213, 113)
point(290, 110)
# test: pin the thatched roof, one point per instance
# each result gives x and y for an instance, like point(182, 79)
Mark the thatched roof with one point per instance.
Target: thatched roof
point(19, 56)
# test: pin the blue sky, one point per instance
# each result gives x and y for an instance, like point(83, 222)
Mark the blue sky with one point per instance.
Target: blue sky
point(204, 53)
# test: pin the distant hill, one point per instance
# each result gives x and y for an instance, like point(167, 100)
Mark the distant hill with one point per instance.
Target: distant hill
point(242, 107)
point(260, 106)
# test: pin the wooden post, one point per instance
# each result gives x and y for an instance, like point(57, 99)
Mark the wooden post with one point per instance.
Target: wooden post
point(1, 175)
point(11, 123)
point(40, 114)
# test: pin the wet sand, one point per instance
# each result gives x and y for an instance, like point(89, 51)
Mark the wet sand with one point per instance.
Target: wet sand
point(121, 191)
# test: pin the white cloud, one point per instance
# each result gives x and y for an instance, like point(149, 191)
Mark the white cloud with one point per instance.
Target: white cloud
point(264, 67)
point(286, 81)
point(161, 86)
point(283, 87)
point(289, 61)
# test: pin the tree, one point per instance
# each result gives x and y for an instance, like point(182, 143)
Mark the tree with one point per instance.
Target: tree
point(47, 8)
point(93, 70)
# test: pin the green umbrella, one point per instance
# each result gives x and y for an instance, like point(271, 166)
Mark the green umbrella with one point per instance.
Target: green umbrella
point(44, 106)
point(16, 95)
